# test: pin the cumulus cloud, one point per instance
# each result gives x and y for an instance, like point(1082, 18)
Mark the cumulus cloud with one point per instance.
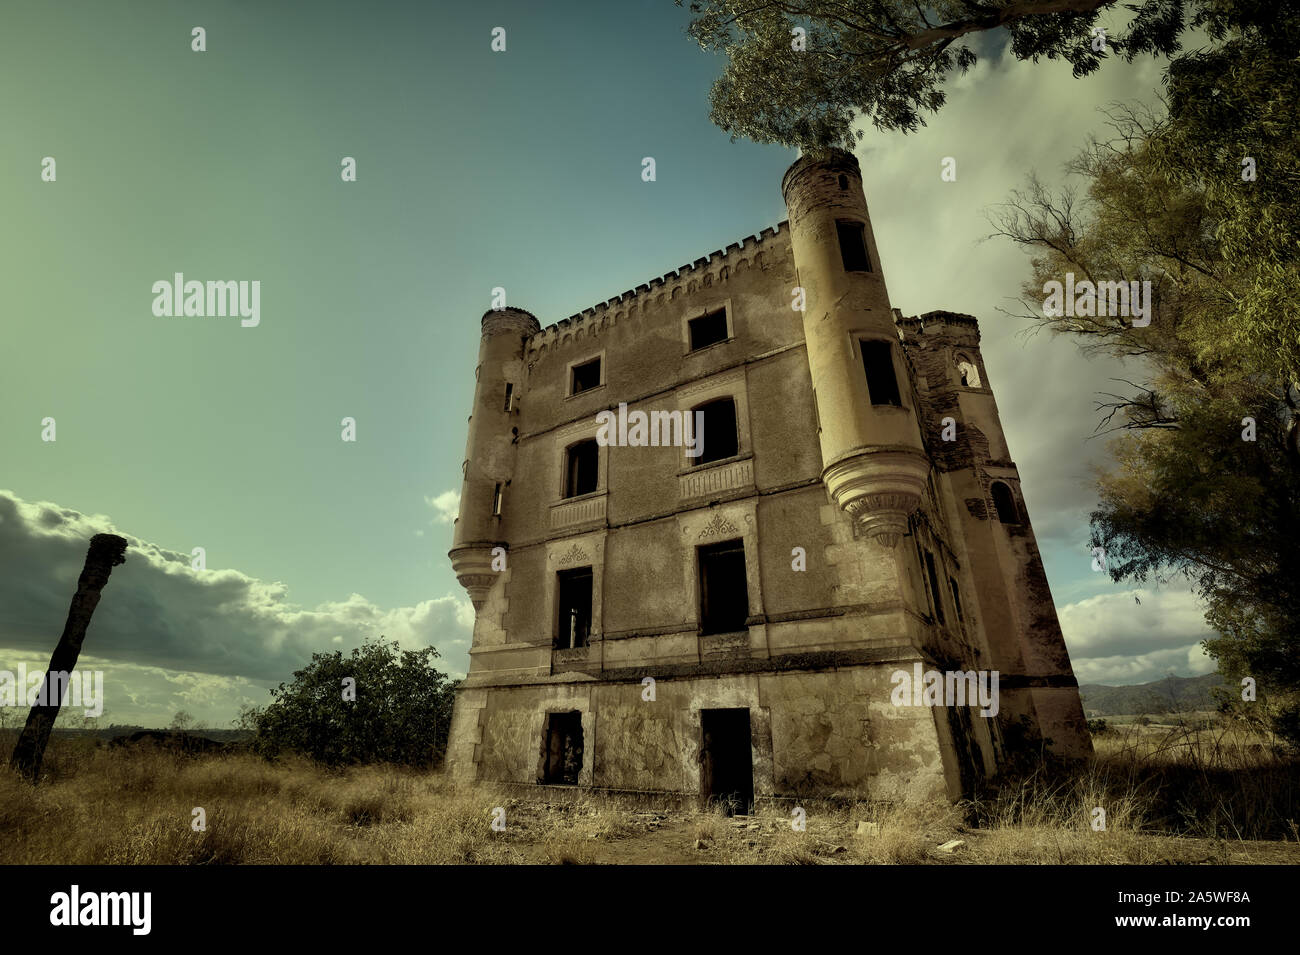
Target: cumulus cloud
point(1113, 638)
point(446, 506)
point(163, 625)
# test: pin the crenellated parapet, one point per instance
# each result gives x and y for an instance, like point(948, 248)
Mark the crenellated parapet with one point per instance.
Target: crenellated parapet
point(497, 321)
point(713, 270)
point(940, 321)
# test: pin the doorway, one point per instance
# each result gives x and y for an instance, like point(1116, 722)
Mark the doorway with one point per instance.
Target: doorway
point(562, 757)
point(727, 760)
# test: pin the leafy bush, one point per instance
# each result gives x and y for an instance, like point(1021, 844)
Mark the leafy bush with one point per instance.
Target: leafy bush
point(400, 713)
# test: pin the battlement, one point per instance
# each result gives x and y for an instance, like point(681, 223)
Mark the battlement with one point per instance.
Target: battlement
point(718, 267)
point(930, 322)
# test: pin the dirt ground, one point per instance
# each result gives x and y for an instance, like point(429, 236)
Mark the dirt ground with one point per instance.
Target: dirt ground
point(677, 837)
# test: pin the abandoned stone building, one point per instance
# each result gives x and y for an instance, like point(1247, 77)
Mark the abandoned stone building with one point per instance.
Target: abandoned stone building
point(730, 621)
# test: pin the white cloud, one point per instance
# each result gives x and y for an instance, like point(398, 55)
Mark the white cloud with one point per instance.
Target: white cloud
point(1114, 638)
point(157, 613)
point(446, 506)
point(1123, 671)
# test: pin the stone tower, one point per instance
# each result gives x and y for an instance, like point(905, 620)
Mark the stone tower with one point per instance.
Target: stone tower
point(874, 459)
point(995, 536)
point(490, 448)
point(738, 621)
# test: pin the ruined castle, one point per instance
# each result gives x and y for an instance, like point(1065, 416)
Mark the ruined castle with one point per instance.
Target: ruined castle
point(732, 624)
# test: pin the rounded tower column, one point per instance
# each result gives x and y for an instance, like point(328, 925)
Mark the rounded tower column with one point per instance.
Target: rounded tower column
point(873, 460)
point(490, 449)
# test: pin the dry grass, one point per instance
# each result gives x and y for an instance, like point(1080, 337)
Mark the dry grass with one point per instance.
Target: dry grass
point(1169, 795)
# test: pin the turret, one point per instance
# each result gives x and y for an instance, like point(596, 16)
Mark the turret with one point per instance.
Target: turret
point(490, 450)
point(873, 462)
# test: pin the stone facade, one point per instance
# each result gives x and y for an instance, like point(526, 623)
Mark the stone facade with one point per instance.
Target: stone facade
point(868, 517)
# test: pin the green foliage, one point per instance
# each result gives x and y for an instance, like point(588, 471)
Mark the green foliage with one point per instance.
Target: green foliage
point(1226, 104)
point(887, 60)
point(1275, 713)
point(401, 713)
point(1097, 727)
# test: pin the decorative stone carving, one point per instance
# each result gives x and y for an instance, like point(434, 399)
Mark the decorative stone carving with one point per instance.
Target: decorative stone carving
point(724, 644)
point(718, 526)
point(579, 511)
point(473, 568)
point(725, 477)
point(879, 491)
point(574, 555)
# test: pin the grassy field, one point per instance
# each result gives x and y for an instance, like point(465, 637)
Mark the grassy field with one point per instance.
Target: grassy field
point(1171, 795)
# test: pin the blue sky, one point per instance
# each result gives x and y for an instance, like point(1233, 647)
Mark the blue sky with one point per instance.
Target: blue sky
point(476, 169)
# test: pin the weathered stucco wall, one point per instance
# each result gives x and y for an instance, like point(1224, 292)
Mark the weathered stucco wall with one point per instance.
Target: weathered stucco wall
point(812, 733)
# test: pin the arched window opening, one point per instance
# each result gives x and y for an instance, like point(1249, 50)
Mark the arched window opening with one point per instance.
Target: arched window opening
point(1005, 502)
point(970, 376)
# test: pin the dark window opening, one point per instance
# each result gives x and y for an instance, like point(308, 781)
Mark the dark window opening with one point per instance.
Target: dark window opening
point(721, 439)
point(878, 363)
point(956, 599)
point(935, 595)
point(724, 593)
point(496, 502)
point(575, 608)
point(1005, 503)
point(853, 245)
point(510, 396)
point(586, 376)
point(581, 468)
point(844, 182)
point(563, 749)
point(727, 760)
point(708, 329)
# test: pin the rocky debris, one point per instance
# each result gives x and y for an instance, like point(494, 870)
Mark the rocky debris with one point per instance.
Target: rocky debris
point(951, 846)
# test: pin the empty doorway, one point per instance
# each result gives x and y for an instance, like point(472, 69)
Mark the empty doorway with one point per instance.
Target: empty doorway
point(726, 760)
point(562, 754)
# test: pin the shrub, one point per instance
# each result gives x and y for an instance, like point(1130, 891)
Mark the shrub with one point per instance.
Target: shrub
point(400, 713)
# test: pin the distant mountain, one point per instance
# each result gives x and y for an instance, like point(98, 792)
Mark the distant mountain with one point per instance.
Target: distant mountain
point(1173, 694)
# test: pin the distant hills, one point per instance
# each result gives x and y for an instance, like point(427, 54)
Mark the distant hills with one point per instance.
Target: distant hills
point(1173, 694)
point(116, 730)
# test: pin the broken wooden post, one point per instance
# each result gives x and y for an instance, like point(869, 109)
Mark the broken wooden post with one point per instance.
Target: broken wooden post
point(106, 552)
